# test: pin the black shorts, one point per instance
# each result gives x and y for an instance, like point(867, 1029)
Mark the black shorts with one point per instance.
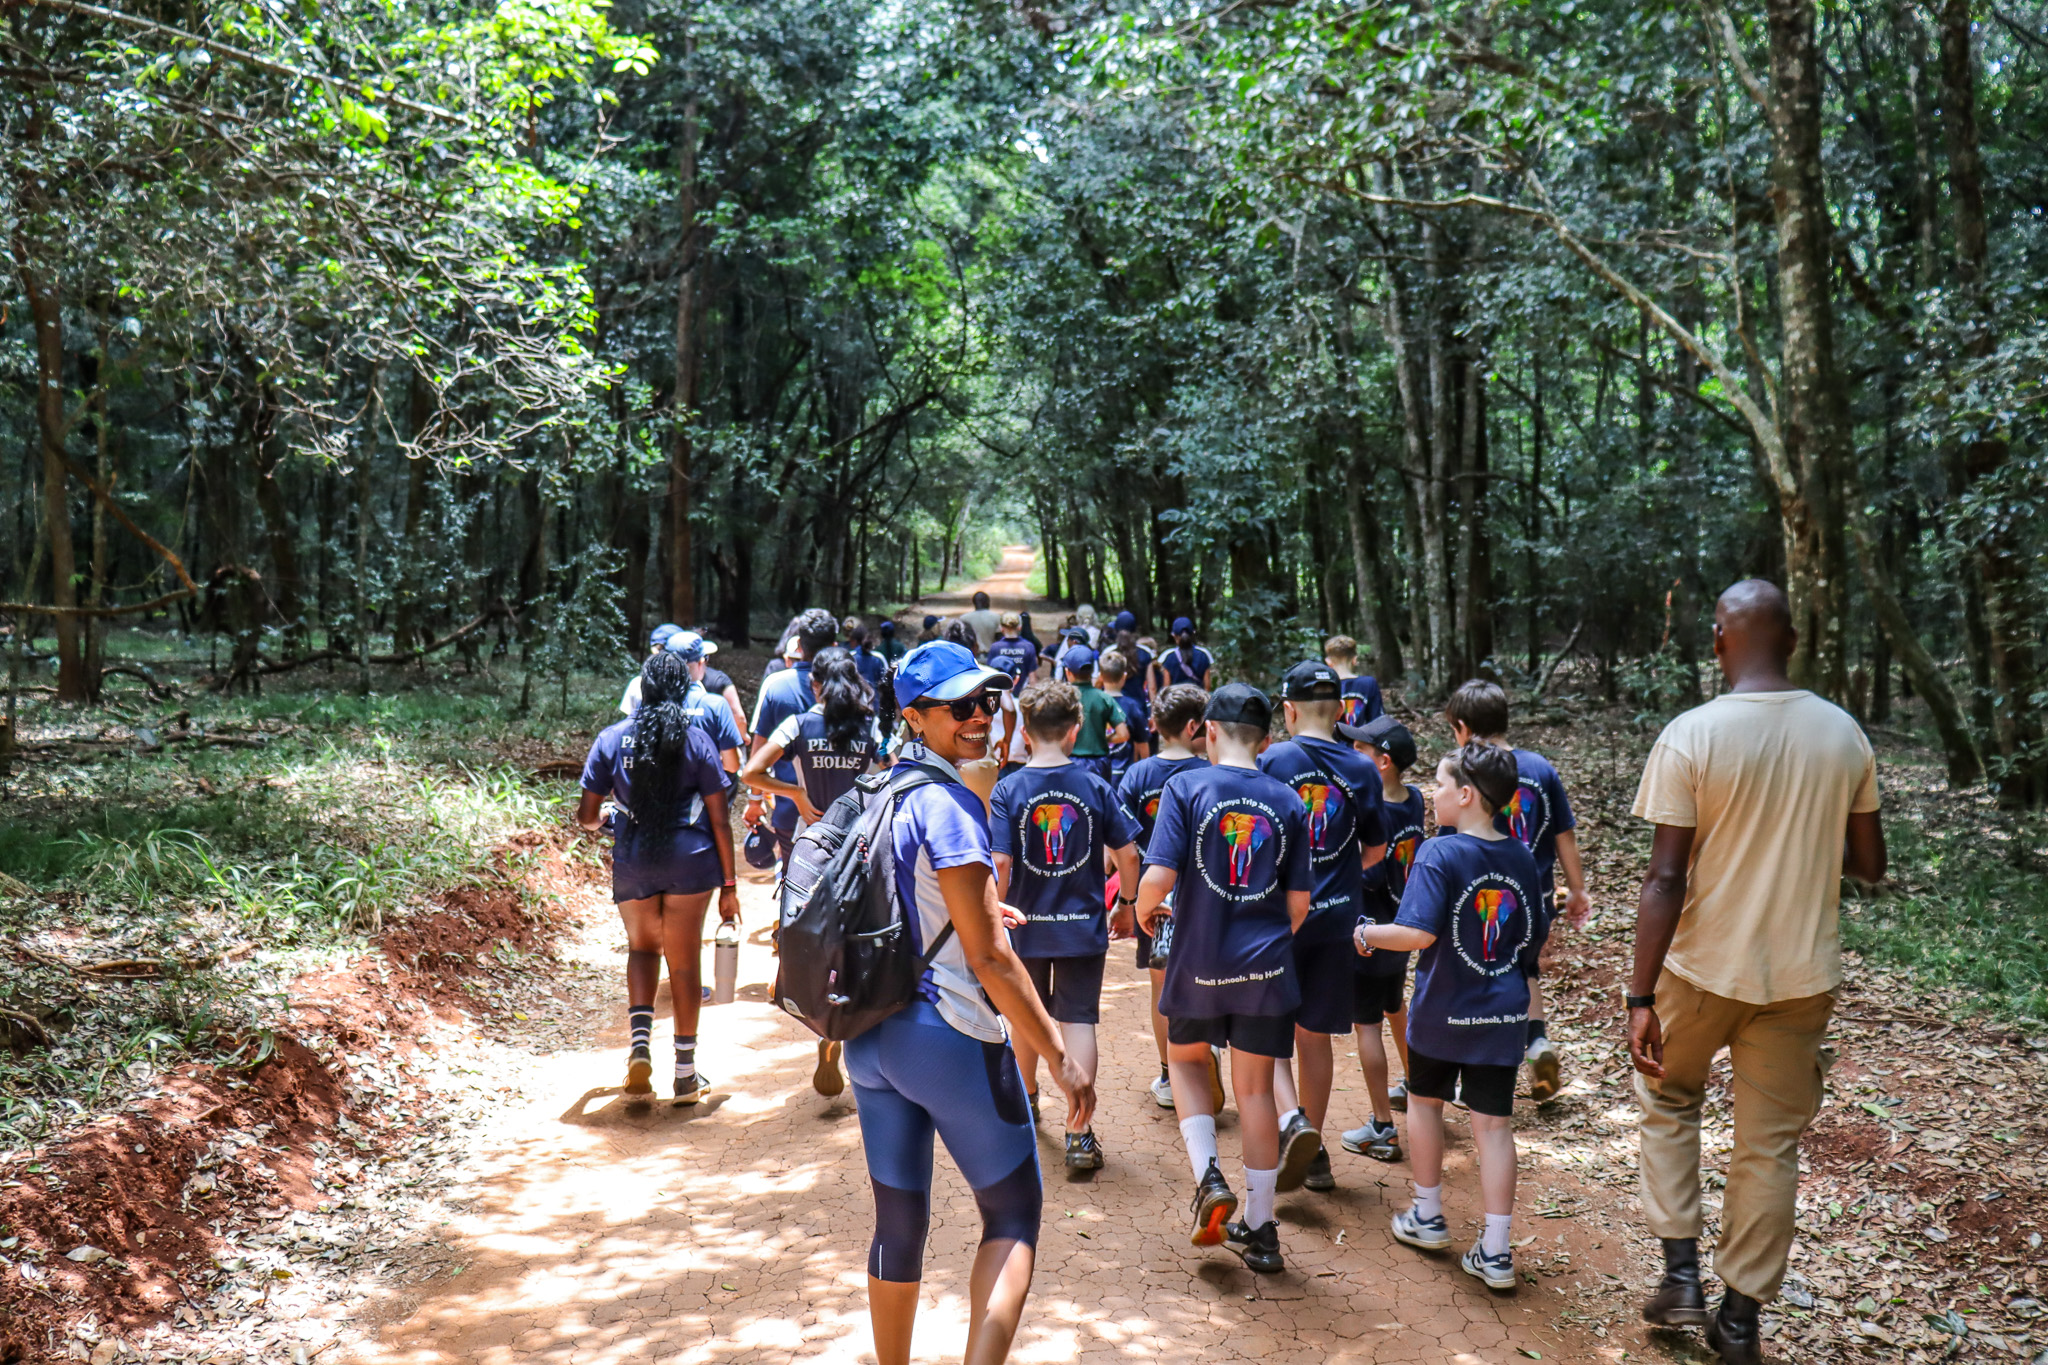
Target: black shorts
point(1487, 1090)
point(685, 875)
point(1324, 971)
point(1070, 988)
point(1262, 1035)
point(1145, 951)
point(1374, 998)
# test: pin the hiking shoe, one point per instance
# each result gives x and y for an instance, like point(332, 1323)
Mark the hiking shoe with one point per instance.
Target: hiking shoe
point(1320, 1177)
point(1299, 1144)
point(1430, 1234)
point(1544, 1068)
point(1162, 1093)
point(1213, 1205)
point(1495, 1272)
point(1084, 1153)
point(827, 1080)
point(1381, 1144)
point(1032, 1100)
point(1258, 1248)
point(1215, 1081)
point(691, 1089)
point(1397, 1097)
point(639, 1068)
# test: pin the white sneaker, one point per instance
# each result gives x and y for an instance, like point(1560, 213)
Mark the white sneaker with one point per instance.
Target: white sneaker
point(1545, 1067)
point(1162, 1092)
point(1430, 1234)
point(1495, 1272)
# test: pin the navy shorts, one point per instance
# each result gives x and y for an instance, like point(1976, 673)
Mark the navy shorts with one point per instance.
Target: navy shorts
point(1070, 988)
point(1325, 972)
point(1485, 1089)
point(1097, 764)
point(1375, 998)
point(687, 875)
point(1262, 1035)
point(1145, 951)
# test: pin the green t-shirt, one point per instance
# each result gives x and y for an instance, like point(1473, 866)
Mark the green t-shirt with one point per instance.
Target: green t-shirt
point(1100, 715)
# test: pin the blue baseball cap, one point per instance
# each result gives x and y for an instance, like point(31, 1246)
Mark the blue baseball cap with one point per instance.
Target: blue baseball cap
point(943, 671)
point(759, 848)
point(1078, 659)
point(1124, 621)
point(1181, 623)
point(690, 646)
point(661, 635)
point(887, 627)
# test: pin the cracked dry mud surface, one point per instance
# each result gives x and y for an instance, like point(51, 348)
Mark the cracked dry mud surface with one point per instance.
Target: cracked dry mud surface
point(737, 1230)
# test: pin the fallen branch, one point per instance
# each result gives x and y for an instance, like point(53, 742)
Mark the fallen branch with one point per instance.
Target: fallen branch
point(1549, 669)
point(494, 612)
point(157, 691)
point(28, 1024)
point(120, 969)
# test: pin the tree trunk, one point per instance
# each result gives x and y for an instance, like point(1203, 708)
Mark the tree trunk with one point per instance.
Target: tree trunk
point(2000, 550)
point(277, 523)
point(682, 588)
point(45, 308)
point(1815, 429)
point(1446, 664)
point(96, 627)
point(1475, 581)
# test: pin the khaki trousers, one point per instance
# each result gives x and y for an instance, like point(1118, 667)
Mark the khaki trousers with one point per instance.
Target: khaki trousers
point(1775, 1049)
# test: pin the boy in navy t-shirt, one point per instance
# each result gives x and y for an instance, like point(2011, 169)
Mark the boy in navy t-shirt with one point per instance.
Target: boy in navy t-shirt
point(1183, 744)
point(1540, 816)
point(1049, 823)
point(1341, 791)
point(1231, 846)
point(1362, 704)
point(1112, 667)
point(1379, 979)
point(1470, 911)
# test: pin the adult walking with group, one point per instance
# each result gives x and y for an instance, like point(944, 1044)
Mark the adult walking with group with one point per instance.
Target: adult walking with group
point(1762, 799)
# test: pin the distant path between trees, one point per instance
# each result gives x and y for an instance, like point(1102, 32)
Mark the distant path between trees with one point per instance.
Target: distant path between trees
point(1005, 588)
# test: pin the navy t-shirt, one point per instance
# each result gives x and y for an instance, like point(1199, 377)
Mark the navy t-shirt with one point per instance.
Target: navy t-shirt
point(871, 666)
point(1120, 755)
point(1386, 879)
point(1537, 813)
point(1053, 823)
point(1238, 842)
point(1361, 700)
point(1134, 681)
point(1192, 667)
point(1142, 784)
point(608, 771)
point(1340, 789)
point(1024, 652)
point(784, 693)
point(1478, 896)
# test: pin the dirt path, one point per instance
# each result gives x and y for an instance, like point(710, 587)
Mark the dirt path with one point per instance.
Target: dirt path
point(737, 1231)
point(1005, 587)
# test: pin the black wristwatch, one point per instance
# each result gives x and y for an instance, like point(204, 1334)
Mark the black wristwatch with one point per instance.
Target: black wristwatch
point(1640, 1002)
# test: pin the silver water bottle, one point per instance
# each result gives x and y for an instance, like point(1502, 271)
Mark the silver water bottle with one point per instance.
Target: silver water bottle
point(725, 962)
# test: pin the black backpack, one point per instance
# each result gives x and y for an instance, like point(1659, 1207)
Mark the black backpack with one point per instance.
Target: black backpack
point(846, 961)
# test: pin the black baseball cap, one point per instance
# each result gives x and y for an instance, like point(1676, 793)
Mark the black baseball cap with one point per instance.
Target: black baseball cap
point(1387, 735)
point(1239, 704)
point(1311, 680)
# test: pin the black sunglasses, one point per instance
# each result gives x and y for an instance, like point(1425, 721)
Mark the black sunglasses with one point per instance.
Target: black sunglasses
point(962, 710)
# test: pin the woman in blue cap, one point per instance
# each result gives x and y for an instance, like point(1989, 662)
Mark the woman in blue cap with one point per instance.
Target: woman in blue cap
point(943, 1064)
point(1186, 662)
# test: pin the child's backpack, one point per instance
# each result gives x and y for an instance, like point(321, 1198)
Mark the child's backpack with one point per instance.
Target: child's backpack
point(846, 960)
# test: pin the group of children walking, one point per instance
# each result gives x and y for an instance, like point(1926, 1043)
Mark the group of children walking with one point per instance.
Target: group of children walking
point(1274, 890)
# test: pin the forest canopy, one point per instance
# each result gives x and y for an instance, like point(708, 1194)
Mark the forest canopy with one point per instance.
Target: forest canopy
point(1495, 335)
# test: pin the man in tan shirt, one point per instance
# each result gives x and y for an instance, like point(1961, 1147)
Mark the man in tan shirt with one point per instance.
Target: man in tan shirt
point(1762, 799)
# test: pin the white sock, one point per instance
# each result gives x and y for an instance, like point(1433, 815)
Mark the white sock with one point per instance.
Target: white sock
point(1429, 1203)
point(1258, 1196)
point(1288, 1117)
point(1199, 1133)
point(1498, 1234)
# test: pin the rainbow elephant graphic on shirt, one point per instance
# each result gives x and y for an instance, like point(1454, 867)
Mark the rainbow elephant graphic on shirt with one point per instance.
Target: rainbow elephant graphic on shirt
point(1402, 854)
point(1495, 906)
point(1053, 820)
point(1354, 709)
point(1244, 832)
point(1524, 815)
point(1325, 804)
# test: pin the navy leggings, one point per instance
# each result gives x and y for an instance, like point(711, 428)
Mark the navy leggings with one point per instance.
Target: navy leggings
point(914, 1075)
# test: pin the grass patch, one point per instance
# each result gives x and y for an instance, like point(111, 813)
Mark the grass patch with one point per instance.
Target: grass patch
point(1968, 914)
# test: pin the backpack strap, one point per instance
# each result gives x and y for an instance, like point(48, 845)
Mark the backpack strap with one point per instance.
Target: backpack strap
point(894, 785)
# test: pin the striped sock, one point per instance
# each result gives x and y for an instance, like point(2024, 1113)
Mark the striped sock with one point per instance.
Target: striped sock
point(640, 1018)
point(686, 1056)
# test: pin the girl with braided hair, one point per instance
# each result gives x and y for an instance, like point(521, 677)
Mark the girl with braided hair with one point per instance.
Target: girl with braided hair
point(672, 849)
